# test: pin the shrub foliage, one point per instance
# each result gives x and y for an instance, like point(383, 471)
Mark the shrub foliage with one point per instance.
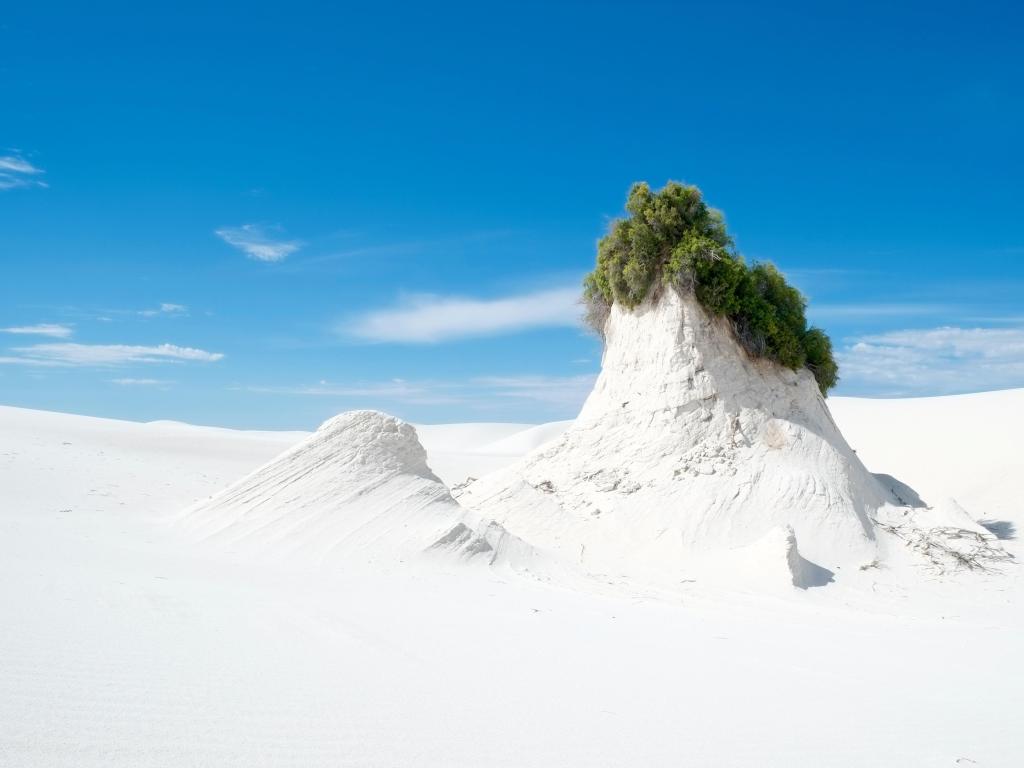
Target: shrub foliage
point(672, 238)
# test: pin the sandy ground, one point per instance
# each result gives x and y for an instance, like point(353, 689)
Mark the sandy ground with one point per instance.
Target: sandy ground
point(126, 643)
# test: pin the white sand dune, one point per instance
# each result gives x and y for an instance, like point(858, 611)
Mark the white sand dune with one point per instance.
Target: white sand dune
point(125, 642)
point(462, 451)
point(962, 446)
point(356, 490)
point(689, 456)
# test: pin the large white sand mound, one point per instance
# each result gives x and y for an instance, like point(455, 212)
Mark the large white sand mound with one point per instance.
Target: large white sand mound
point(689, 457)
point(358, 489)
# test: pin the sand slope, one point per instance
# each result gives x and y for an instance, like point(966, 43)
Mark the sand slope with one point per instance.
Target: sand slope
point(359, 488)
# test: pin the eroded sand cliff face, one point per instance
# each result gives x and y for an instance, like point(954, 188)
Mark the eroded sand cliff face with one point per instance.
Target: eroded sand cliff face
point(687, 454)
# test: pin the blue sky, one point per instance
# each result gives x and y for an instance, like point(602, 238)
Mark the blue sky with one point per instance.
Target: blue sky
point(260, 216)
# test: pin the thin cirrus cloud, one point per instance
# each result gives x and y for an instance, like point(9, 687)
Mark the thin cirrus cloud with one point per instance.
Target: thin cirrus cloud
point(166, 309)
point(565, 393)
point(17, 172)
point(933, 361)
point(71, 354)
point(429, 319)
point(368, 393)
point(398, 389)
point(258, 242)
point(53, 330)
point(568, 391)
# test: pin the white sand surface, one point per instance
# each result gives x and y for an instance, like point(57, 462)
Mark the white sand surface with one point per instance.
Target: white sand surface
point(127, 642)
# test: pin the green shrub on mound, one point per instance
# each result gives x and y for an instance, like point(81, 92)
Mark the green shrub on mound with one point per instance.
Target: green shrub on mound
point(672, 238)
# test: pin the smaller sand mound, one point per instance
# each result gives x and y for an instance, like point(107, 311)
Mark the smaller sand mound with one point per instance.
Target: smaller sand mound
point(772, 563)
point(357, 490)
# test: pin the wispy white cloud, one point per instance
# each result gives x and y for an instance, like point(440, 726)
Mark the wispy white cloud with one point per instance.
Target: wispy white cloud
point(16, 172)
point(942, 360)
point(42, 329)
point(30, 362)
point(398, 389)
point(138, 382)
point(554, 390)
point(71, 354)
point(258, 242)
point(562, 392)
point(15, 164)
point(165, 309)
point(427, 319)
